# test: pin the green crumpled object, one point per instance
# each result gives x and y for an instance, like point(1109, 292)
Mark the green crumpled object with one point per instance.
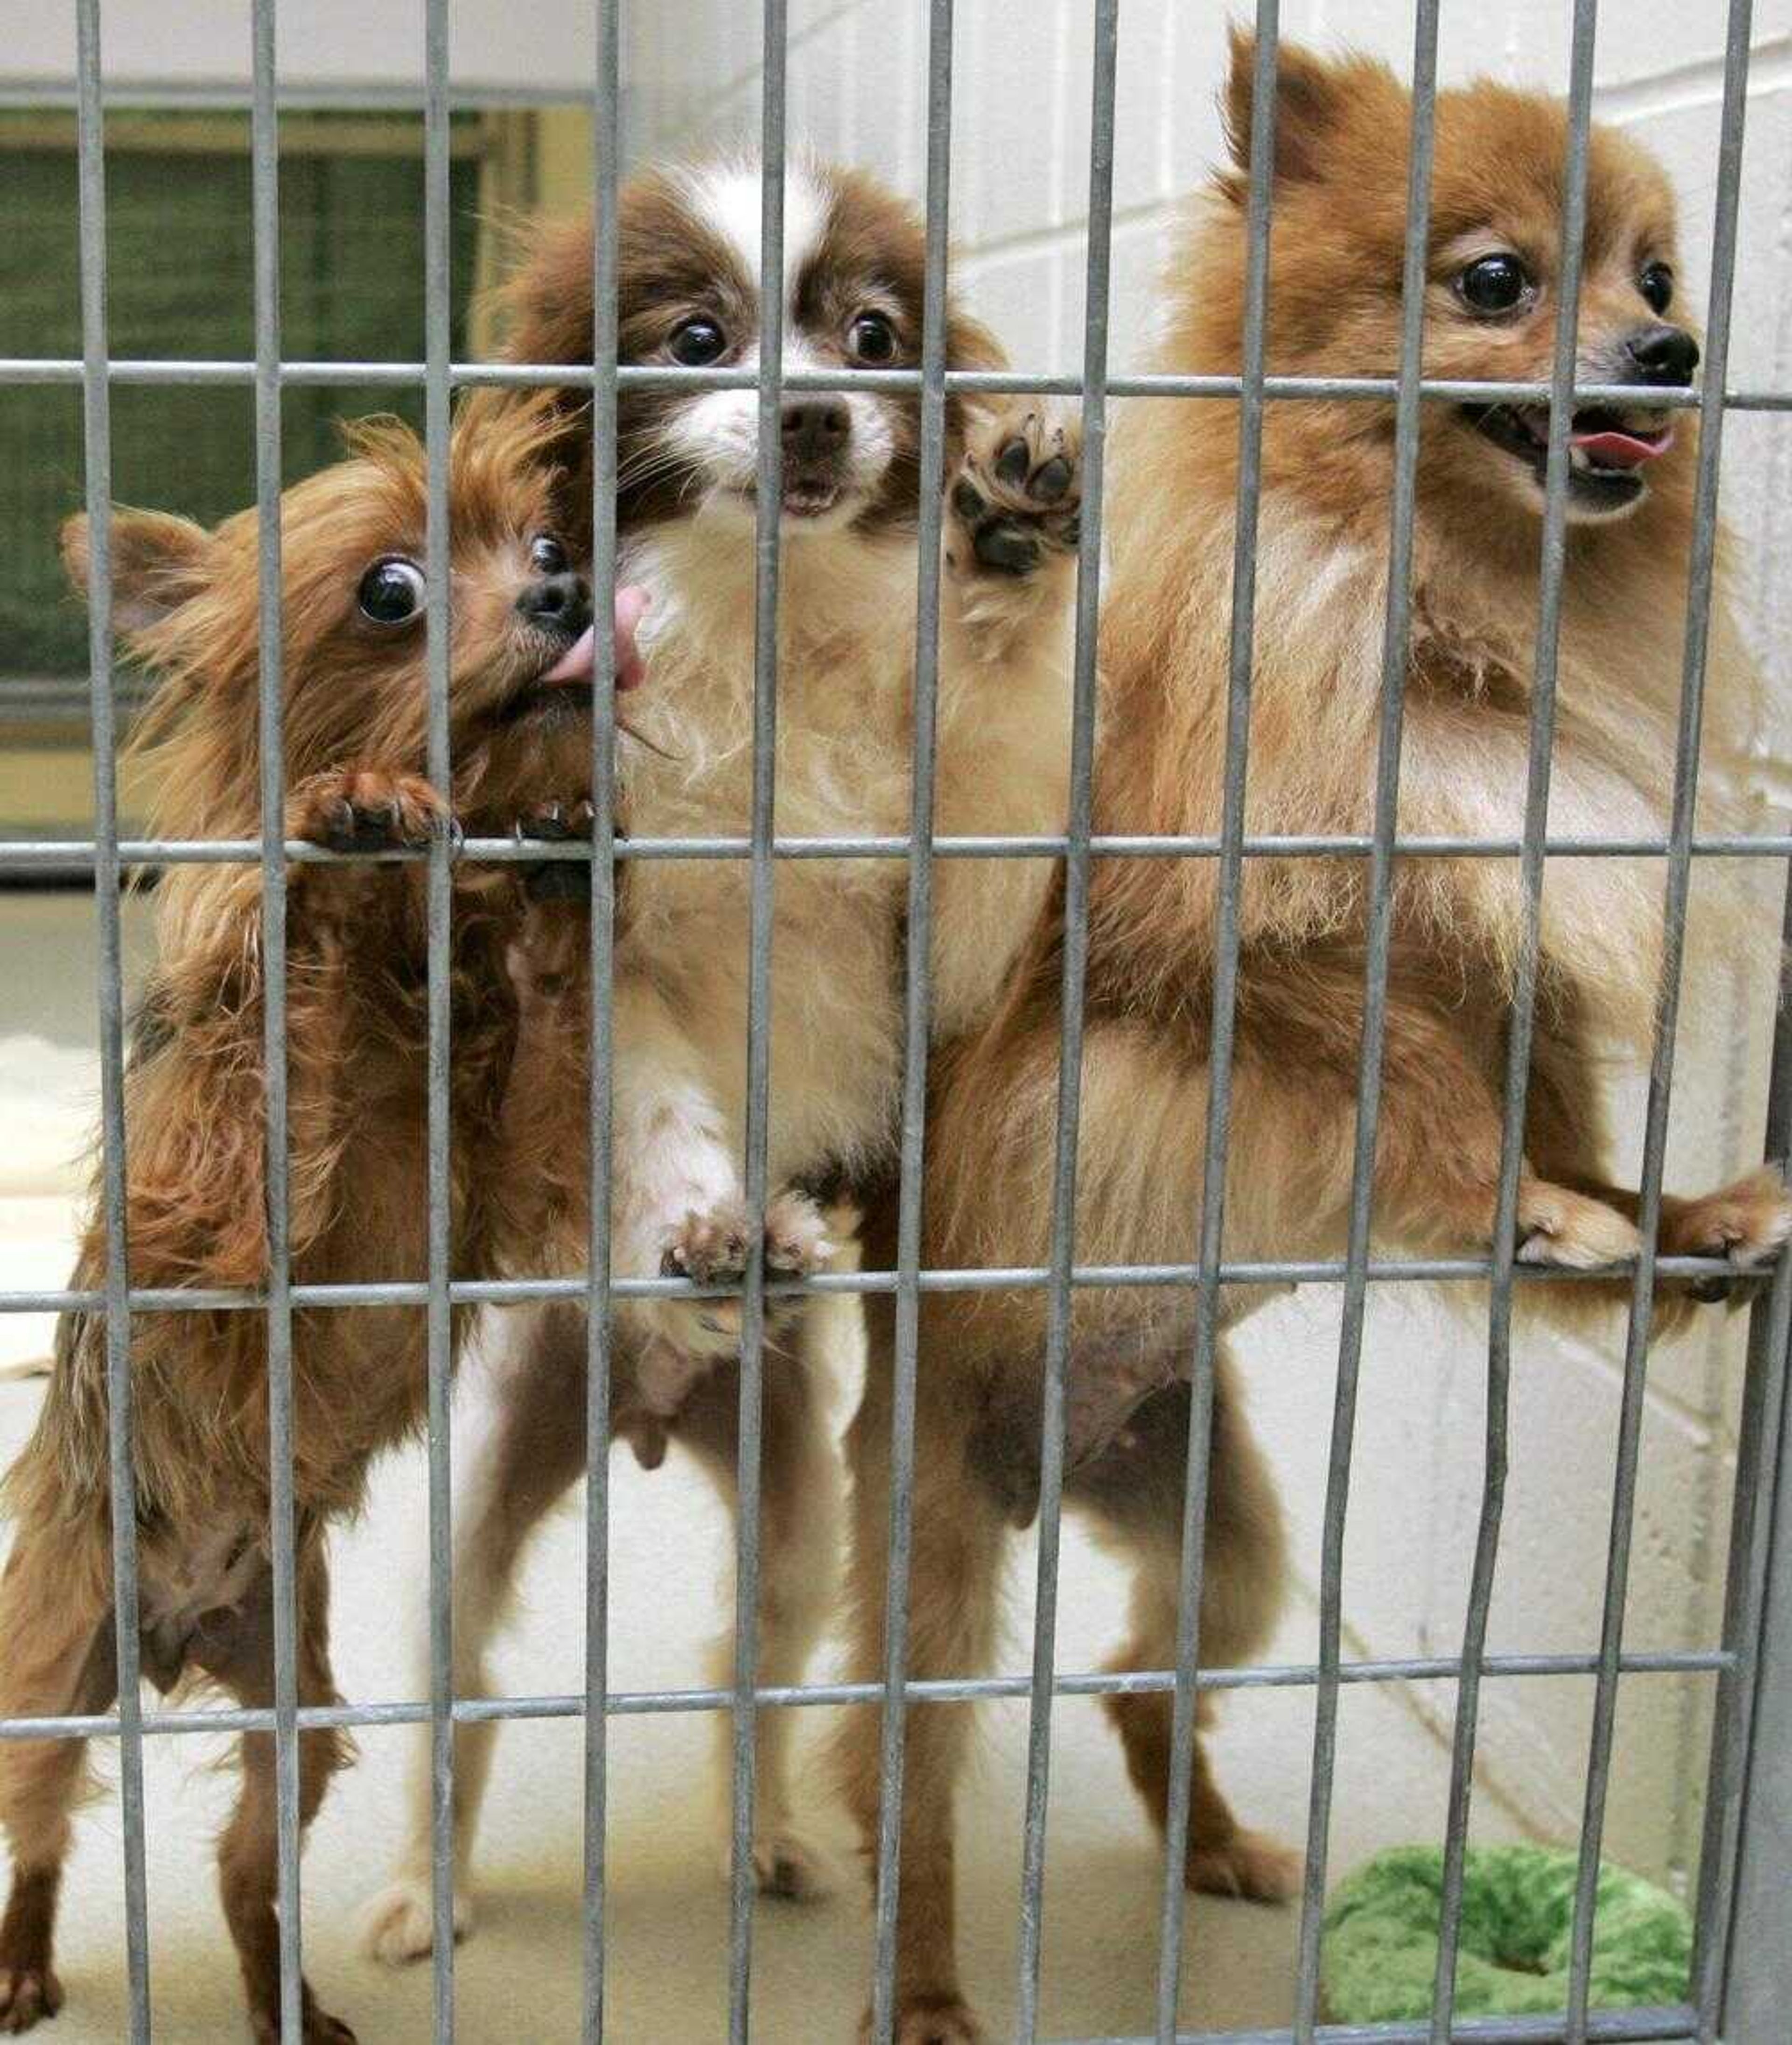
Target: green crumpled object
point(1379, 1959)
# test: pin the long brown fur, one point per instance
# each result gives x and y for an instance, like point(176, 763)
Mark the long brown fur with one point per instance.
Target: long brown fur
point(354, 732)
point(1339, 222)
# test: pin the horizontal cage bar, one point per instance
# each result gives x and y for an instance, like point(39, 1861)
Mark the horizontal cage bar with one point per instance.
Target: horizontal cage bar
point(961, 1689)
point(1009, 382)
point(1025, 1277)
point(35, 852)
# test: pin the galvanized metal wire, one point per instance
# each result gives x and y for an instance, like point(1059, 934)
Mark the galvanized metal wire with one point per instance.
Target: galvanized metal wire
point(1070, 1043)
point(1741, 1981)
point(607, 152)
point(278, 1322)
point(916, 1018)
point(115, 1300)
point(1702, 569)
point(1520, 1026)
point(1396, 645)
point(1230, 882)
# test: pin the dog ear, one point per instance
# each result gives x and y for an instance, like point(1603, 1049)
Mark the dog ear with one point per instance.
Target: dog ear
point(1311, 98)
point(158, 562)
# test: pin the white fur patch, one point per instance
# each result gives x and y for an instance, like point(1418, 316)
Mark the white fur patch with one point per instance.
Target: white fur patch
point(717, 433)
point(726, 199)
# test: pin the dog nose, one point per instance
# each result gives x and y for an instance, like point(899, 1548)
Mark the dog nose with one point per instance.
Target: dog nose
point(1663, 354)
point(560, 599)
point(816, 428)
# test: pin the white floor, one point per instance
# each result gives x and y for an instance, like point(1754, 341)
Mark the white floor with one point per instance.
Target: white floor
point(519, 1977)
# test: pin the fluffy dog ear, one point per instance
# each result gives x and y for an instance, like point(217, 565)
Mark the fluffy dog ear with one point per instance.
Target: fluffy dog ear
point(158, 562)
point(970, 344)
point(1312, 99)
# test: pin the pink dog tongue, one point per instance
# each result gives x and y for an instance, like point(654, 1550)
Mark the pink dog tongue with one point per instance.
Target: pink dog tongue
point(578, 662)
point(1614, 449)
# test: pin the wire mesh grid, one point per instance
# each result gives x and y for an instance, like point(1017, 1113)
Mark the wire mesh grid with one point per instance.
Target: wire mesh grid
point(1742, 1977)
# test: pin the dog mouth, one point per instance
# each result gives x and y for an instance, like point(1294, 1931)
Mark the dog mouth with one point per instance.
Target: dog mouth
point(1608, 449)
point(804, 497)
point(564, 688)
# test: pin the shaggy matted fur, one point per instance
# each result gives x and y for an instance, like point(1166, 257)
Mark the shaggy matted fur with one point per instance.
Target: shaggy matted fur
point(354, 732)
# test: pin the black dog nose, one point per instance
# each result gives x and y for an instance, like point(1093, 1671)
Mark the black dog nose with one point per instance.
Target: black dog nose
point(560, 599)
point(1663, 354)
point(815, 429)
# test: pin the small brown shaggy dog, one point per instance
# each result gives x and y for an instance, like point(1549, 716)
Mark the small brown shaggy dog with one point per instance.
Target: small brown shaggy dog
point(1339, 187)
point(353, 540)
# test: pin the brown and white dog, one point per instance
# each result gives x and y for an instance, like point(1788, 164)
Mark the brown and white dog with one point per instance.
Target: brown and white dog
point(1321, 587)
point(852, 299)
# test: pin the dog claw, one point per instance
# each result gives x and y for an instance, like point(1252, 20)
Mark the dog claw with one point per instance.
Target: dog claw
point(1013, 463)
point(556, 823)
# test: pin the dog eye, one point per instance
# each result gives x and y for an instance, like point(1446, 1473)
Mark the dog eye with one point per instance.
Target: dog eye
point(1656, 284)
point(391, 591)
point(546, 554)
point(1493, 284)
point(871, 338)
point(696, 342)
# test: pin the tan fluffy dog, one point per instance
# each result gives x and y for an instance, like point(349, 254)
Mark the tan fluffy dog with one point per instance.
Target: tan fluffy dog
point(1339, 187)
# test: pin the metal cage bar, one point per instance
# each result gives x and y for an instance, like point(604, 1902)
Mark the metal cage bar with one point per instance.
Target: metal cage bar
point(514, 1292)
point(1396, 643)
point(1743, 1867)
point(1752, 1534)
point(599, 1320)
point(767, 519)
point(1554, 559)
point(1700, 589)
point(115, 1301)
point(439, 909)
point(1070, 1042)
point(947, 1689)
point(1204, 1362)
point(916, 1018)
point(634, 376)
point(278, 1322)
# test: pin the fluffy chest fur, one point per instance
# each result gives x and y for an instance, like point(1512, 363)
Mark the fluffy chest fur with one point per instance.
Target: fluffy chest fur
point(844, 768)
point(1321, 605)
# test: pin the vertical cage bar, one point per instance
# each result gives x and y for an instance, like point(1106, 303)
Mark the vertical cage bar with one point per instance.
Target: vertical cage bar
point(1758, 1431)
point(917, 1010)
point(1105, 54)
point(265, 154)
point(1702, 571)
point(1553, 562)
point(96, 394)
point(1229, 885)
point(768, 519)
point(1396, 640)
point(1758, 1987)
point(439, 1322)
point(606, 165)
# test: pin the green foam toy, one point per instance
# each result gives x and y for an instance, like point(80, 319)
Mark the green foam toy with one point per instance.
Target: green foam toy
point(1379, 1956)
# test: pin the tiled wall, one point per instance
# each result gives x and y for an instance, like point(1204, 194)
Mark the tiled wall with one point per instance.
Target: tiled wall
point(1019, 195)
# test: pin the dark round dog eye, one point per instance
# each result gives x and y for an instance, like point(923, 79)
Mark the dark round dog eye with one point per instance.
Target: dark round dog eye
point(547, 555)
point(1493, 284)
point(871, 338)
point(1656, 284)
point(391, 591)
point(696, 342)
